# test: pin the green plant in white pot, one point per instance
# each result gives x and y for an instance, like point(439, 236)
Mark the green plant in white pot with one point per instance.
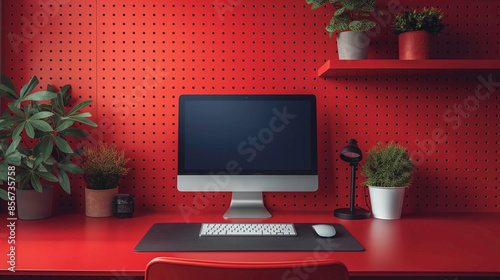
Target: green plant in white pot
point(34, 138)
point(388, 171)
point(350, 21)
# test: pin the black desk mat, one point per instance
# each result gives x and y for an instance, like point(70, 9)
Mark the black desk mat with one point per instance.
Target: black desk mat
point(179, 237)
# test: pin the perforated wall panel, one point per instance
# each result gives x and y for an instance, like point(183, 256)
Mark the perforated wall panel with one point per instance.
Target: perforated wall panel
point(134, 59)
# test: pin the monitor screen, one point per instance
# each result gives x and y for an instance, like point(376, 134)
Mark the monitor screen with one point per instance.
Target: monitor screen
point(247, 134)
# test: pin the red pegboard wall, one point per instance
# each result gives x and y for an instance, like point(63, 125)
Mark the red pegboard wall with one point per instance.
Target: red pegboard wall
point(134, 59)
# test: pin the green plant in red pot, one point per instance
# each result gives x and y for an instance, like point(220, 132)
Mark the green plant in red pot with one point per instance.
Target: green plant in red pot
point(34, 136)
point(350, 22)
point(103, 166)
point(415, 29)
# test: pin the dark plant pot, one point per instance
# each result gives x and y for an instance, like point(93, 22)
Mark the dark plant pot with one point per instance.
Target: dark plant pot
point(414, 45)
point(98, 202)
point(33, 205)
point(353, 45)
point(123, 206)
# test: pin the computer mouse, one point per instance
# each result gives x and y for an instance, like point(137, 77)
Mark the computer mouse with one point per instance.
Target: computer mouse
point(324, 230)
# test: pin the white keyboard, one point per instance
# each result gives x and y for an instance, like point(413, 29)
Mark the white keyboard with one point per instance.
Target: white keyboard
point(247, 229)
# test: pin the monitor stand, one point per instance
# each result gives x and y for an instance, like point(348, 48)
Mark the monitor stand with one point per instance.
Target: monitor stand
point(247, 205)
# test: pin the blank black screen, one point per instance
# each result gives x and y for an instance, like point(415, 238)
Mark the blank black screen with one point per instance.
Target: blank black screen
point(255, 134)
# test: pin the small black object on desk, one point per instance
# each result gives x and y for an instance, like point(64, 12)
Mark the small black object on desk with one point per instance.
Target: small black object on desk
point(123, 206)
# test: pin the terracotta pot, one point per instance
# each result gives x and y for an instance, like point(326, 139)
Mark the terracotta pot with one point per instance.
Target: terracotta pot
point(414, 45)
point(353, 45)
point(33, 205)
point(98, 202)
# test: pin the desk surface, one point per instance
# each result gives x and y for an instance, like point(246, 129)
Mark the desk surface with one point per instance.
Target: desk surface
point(431, 244)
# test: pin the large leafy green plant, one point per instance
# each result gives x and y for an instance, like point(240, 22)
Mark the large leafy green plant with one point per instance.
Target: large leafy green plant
point(35, 136)
point(389, 166)
point(428, 20)
point(348, 14)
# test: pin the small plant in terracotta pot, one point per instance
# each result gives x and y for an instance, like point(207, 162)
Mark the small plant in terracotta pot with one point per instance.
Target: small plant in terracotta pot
point(103, 167)
point(414, 29)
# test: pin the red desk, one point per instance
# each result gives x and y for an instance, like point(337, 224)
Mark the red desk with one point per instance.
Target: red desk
point(438, 244)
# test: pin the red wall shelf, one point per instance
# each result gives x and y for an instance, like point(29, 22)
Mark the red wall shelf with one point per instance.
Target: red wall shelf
point(345, 68)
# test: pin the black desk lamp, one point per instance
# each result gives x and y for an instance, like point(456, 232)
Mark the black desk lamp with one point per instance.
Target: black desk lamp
point(353, 155)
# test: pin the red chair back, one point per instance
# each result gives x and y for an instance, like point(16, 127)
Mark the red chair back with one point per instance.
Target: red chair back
point(185, 269)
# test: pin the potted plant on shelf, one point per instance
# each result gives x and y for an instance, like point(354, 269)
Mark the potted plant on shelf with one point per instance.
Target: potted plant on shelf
point(414, 29)
point(34, 139)
point(349, 20)
point(103, 166)
point(388, 171)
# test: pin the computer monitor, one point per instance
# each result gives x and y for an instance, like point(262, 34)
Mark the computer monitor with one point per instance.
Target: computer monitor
point(247, 144)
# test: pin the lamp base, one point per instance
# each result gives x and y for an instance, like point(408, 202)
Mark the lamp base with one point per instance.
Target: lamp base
point(358, 214)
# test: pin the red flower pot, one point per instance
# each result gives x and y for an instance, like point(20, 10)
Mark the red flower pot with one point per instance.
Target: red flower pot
point(414, 45)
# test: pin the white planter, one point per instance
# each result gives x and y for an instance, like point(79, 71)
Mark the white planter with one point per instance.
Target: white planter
point(353, 45)
point(387, 203)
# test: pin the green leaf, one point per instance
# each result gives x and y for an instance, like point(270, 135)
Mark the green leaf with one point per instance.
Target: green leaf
point(316, 3)
point(86, 121)
point(64, 89)
point(62, 144)
point(7, 93)
point(8, 123)
point(51, 89)
point(38, 160)
point(13, 149)
point(349, 6)
point(339, 11)
point(40, 96)
point(75, 132)
point(41, 115)
point(64, 181)
point(4, 195)
point(50, 161)
point(71, 168)
point(4, 171)
point(23, 177)
point(29, 130)
point(368, 6)
point(35, 183)
point(9, 84)
point(79, 106)
point(16, 110)
point(60, 103)
point(41, 125)
point(64, 124)
point(27, 88)
point(362, 25)
point(342, 26)
point(82, 115)
point(17, 131)
point(47, 176)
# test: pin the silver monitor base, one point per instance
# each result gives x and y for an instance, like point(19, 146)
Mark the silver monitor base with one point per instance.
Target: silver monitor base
point(247, 205)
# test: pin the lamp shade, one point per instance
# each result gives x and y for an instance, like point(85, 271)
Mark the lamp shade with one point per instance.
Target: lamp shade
point(351, 152)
